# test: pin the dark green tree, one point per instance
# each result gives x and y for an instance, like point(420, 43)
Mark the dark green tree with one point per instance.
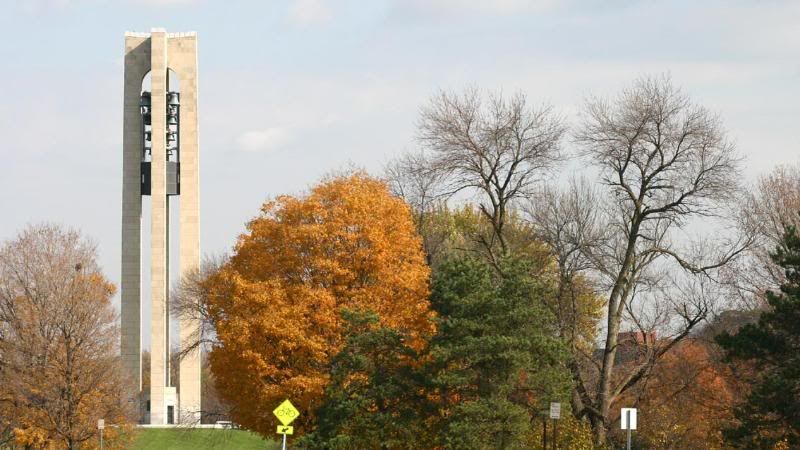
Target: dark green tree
point(495, 360)
point(771, 347)
point(375, 399)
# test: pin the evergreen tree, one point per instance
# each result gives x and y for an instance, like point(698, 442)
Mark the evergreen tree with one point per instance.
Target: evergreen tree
point(495, 360)
point(375, 398)
point(771, 413)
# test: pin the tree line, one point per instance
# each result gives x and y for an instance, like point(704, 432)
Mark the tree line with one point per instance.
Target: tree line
point(446, 302)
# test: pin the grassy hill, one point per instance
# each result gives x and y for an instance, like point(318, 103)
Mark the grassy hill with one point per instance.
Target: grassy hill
point(198, 439)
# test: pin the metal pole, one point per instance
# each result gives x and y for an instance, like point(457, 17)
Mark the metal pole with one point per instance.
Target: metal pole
point(629, 429)
point(283, 446)
point(555, 434)
point(544, 436)
point(101, 439)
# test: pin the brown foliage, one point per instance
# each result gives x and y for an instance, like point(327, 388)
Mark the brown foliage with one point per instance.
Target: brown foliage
point(347, 244)
point(59, 369)
point(687, 400)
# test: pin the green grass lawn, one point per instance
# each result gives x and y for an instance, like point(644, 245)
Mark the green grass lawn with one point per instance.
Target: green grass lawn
point(199, 439)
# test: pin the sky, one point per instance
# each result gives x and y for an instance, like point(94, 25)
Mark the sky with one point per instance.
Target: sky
point(293, 90)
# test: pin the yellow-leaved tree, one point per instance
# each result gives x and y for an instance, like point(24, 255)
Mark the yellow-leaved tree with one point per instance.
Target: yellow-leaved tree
point(348, 244)
point(59, 364)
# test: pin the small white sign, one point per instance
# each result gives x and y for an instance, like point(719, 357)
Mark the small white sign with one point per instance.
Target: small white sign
point(626, 414)
point(555, 410)
point(101, 424)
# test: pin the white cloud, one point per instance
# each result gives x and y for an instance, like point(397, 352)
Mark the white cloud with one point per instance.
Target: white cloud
point(262, 140)
point(309, 12)
point(45, 6)
point(480, 6)
point(164, 2)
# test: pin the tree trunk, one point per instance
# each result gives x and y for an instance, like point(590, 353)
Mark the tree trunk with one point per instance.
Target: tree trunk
point(615, 301)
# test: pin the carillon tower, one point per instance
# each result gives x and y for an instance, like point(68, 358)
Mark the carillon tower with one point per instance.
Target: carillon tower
point(160, 161)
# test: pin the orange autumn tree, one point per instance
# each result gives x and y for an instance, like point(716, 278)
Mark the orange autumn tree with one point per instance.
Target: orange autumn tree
point(687, 400)
point(348, 244)
point(59, 341)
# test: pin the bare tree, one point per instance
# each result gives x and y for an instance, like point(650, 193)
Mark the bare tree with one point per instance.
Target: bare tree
point(770, 207)
point(59, 368)
point(663, 161)
point(777, 202)
point(413, 178)
point(571, 224)
point(189, 301)
point(497, 148)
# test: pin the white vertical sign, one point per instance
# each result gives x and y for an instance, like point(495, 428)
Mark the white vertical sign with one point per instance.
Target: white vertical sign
point(628, 412)
point(101, 424)
point(555, 410)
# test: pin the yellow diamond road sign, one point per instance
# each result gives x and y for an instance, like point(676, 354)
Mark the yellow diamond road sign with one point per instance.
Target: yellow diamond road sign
point(286, 412)
point(283, 429)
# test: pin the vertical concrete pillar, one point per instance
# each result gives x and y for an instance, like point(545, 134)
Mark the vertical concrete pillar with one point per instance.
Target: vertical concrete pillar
point(159, 274)
point(183, 60)
point(137, 64)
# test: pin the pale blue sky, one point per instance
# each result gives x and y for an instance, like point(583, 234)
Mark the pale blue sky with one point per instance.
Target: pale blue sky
point(290, 90)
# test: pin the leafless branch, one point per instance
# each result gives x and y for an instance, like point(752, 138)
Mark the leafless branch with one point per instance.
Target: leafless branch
point(189, 301)
point(663, 161)
point(497, 147)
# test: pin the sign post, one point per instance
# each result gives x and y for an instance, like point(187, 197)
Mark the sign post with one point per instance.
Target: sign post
point(544, 435)
point(628, 422)
point(101, 424)
point(286, 413)
point(555, 414)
